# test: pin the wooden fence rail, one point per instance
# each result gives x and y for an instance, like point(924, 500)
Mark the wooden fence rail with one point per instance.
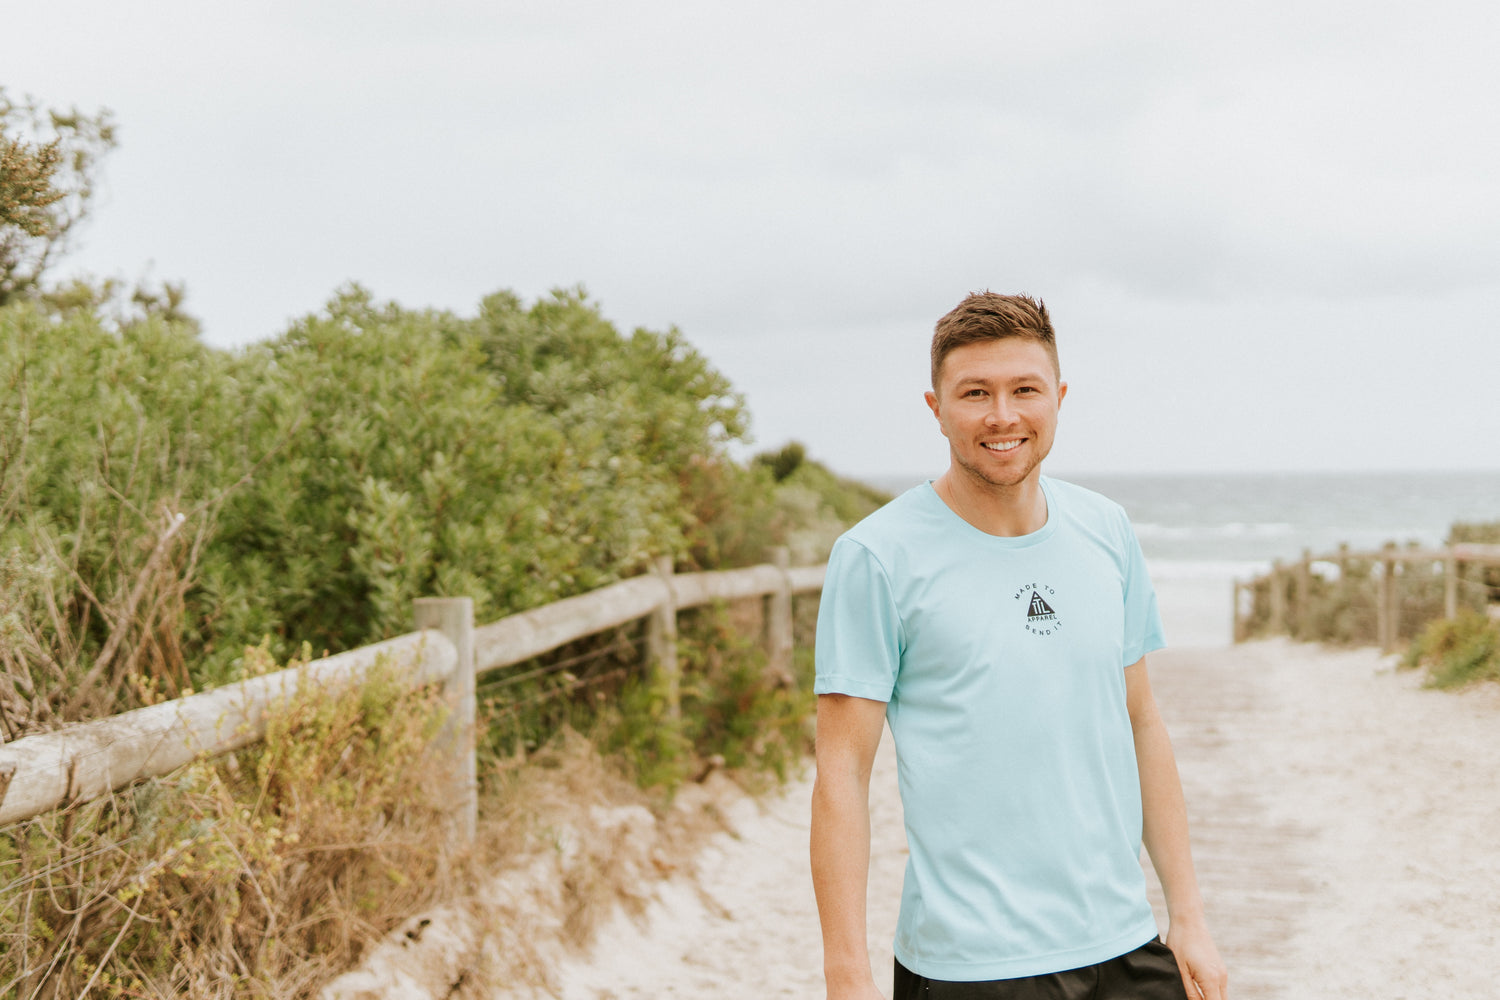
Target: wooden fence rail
point(1288, 613)
point(88, 760)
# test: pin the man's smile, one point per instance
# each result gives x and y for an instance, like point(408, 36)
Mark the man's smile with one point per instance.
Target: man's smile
point(1002, 445)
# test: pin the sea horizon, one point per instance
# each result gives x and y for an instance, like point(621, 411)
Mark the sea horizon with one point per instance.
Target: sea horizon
point(1238, 522)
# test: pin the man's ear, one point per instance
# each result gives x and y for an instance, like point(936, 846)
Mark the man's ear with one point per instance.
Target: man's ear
point(932, 403)
point(1062, 390)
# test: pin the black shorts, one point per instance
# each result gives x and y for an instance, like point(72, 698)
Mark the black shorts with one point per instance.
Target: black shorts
point(1148, 973)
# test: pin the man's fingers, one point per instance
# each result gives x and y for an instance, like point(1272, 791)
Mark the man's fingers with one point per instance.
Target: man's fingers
point(1214, 986)
point(1189, 987)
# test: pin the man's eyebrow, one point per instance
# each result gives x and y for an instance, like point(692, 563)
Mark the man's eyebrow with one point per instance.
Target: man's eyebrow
point(1036, 376)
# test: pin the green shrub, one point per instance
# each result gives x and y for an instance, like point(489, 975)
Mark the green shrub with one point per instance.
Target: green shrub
point(173, 516)
point(1457, 651)
point(735, 707)
point(368, 455)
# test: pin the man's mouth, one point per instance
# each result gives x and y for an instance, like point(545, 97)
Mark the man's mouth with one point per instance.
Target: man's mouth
point(1003, 445)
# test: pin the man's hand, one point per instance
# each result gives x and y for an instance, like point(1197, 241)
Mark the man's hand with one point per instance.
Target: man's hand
point(1203, 971)
point(864, 990)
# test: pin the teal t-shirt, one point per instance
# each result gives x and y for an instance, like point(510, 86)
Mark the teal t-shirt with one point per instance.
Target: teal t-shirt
point(1001, 661)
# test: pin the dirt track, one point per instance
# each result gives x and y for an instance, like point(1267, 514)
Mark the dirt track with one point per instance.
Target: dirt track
point(1344, 822)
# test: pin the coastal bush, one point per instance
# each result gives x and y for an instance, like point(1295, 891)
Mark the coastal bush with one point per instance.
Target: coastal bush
point(738, 711)
point(173, 516)
point(733, 711)
point(117, 448)
point(49, 162)
point(182, 503)
point(1457, 651)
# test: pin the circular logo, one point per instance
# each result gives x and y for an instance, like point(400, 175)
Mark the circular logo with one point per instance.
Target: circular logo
point(1038, 600)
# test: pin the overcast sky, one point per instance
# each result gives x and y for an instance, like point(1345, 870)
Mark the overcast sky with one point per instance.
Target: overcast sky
point(1269, 234)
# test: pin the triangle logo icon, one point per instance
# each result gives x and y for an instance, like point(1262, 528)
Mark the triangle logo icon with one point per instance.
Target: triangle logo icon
point(1039, 607)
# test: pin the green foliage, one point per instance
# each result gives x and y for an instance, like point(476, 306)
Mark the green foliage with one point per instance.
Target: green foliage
point(784, 462)
point(1457, 651)
point(735, 708)
point(172, 516)
point(368, 455)
point(640, 732)
point(421, 458)
point(48, 160)
point(816, 506)
point(116, 450)
point(732, 517)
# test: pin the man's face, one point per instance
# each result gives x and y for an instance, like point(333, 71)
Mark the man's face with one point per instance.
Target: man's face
point(996, 402)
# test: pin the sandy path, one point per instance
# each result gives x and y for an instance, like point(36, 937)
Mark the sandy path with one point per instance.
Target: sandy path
point(1346, 825)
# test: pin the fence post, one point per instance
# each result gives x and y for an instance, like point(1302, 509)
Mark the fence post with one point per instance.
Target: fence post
point(1450, 585)
point(1302, 614)
point(1237, 620)
point(1278, 600)
point(661, 641)
point(1346, 589)
point(454, 618)
point(1385, 602)
point(779, 618)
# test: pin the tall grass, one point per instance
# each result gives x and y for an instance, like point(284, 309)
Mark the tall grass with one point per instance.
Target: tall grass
point(259, 873)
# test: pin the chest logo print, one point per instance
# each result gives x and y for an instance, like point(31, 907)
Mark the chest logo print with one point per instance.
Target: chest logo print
point(1041, 616)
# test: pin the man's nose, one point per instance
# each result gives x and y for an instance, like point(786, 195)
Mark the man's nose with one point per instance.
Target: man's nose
point(1000, 413)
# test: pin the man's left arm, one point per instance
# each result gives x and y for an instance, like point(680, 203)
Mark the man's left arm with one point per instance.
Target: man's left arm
point(1166, 837)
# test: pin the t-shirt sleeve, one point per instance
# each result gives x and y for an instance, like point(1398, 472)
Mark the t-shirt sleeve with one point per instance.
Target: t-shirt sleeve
point(1143, 630)
point(859, 640)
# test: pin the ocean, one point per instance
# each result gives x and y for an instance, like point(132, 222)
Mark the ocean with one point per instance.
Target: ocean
point(1202, 531)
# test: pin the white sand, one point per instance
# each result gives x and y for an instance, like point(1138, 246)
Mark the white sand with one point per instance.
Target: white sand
point(1346, 825)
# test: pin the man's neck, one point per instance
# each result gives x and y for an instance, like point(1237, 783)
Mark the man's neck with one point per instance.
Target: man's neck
point(1006, 511)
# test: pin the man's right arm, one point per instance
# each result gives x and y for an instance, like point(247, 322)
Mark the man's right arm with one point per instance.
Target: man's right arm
point(848, 734)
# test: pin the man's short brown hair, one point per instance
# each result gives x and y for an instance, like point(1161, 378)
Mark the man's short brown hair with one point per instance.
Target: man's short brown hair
point(988, 316)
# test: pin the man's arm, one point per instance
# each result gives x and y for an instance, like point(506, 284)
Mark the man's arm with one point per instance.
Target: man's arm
point(848, 734)
point(1166, 837)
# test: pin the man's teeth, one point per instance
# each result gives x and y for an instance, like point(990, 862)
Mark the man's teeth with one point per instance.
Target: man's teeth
point(1003, 445)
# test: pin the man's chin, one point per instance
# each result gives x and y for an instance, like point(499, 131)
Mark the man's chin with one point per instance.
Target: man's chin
point(998, 479)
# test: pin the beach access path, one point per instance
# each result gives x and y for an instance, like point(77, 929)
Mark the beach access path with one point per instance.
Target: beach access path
point(1344, 824)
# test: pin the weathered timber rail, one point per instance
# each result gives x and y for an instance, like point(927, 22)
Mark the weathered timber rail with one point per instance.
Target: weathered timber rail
point(86, 761)
point(1289, 586)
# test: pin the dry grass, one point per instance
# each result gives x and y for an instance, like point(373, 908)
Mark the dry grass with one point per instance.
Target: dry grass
point(261, 873)
point(270, 872)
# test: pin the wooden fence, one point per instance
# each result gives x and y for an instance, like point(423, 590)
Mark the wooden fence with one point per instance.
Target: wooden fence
point(1290, 586)
point(88, 760)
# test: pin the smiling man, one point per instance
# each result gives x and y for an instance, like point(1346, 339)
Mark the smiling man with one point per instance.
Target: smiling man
point(999, 621)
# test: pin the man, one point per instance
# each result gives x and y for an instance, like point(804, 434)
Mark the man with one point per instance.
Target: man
point(999, 621)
